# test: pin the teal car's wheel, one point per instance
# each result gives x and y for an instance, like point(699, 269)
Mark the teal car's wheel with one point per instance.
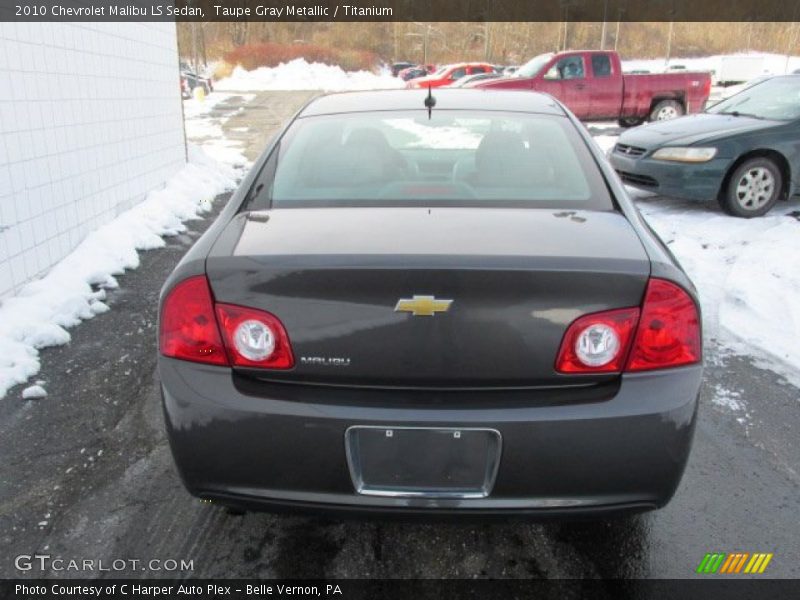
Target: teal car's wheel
point(752, 189)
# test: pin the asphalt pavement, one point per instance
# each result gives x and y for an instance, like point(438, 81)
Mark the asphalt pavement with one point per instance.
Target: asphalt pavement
point(86, 472)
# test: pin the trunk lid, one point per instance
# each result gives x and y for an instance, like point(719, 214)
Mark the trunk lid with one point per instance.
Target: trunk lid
point(516, 279)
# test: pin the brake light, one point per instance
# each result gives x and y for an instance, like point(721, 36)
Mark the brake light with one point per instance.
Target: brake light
point(194, 328)
point(188, 327)
point(598, 343)
point(254, 338)
point(669, 329)
point(664, 333)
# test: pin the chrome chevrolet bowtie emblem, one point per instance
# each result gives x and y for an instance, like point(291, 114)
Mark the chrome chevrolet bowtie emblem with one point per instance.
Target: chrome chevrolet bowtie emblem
point(422, 306)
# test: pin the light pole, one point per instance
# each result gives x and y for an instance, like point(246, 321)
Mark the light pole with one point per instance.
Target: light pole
point(669, 43)
point(603, 30)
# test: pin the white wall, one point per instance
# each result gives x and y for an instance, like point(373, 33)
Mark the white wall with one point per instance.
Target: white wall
point(90, 120)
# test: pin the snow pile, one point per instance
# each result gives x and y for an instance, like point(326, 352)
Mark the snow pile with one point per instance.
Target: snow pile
point(73, 290)
point(301, 75)
point(747, 272)
point(34, 392)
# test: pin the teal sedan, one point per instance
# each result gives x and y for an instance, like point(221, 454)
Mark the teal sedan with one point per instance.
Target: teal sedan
point(743, 152)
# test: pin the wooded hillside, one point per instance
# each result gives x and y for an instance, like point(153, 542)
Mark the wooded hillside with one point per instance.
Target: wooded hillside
point(503, 43)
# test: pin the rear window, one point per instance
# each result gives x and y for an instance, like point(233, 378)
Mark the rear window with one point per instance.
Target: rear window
point(453, 159)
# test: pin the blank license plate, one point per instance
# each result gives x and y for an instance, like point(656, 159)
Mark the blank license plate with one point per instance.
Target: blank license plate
point(423, 461)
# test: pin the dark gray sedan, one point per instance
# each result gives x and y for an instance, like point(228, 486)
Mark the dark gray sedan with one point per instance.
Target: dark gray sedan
point(743, 152)
point(418, 310)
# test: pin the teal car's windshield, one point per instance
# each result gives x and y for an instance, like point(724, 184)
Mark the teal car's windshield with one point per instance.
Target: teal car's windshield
point(533, 66)
point(775, 99)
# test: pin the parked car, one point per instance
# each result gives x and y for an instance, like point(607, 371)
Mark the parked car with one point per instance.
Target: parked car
point(471, 79)
point(448, 74)
point(741, 151)
point(417, 71)
point(193, 80)
point(593, 86)
point(185, 92)
point(399, 66)
point(432, 355)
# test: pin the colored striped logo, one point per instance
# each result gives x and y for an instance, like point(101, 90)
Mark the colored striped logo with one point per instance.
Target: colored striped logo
point(738, 562)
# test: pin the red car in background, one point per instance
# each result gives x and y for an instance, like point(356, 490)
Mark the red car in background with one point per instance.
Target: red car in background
point(450, 73)
point(416, 71)
point(591, 84)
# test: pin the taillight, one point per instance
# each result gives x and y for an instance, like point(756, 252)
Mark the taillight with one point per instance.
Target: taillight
point(664, 333)
point(188, 326)
point(669, 329)
point(598, 343)
point(254, 338)
point(194, 328)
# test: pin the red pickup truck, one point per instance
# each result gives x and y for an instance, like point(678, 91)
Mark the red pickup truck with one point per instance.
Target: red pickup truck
point(592, 85)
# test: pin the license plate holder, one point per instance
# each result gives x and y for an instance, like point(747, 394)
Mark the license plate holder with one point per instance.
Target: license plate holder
point(432, 462)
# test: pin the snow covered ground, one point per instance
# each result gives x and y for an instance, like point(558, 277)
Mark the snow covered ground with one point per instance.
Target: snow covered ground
point(204, 128)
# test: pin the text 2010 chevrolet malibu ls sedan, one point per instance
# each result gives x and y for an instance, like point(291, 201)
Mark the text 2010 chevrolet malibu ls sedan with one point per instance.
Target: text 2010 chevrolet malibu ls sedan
point(424, 312)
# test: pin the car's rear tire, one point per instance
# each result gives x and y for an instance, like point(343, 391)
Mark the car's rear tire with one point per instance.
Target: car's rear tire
point(665, 110)
point(752, 189)
point(630, 122)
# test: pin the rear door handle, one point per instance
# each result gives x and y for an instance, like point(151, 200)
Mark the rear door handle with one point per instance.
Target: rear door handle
point(580, 86)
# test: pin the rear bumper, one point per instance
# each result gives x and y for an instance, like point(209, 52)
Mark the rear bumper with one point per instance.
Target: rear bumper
point(687, 181)
point(284, 448)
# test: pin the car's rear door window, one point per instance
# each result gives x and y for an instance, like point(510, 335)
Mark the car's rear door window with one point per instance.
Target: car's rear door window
point(601, 65)
point(455, 158)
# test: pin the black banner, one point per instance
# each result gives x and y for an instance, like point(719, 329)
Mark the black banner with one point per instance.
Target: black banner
point(399, 10)
point(733, 588)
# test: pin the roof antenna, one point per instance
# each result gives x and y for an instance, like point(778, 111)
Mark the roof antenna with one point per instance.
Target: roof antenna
point(430, 101)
